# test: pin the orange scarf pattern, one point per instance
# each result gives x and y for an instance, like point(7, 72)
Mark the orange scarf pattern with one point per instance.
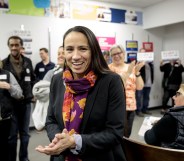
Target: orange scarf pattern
point(74, 101)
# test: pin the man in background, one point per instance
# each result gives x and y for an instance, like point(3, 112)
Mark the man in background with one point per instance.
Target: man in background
point(44, 66)
point(22, 69)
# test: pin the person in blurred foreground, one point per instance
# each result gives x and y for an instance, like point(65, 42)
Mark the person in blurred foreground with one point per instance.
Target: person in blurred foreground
point(169, 130)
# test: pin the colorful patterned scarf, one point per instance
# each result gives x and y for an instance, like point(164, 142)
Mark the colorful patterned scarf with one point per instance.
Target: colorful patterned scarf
point(75, 100)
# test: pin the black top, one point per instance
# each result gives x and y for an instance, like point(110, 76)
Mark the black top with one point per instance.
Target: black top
point(41, 69)
point(164, 130)
point(172, 74)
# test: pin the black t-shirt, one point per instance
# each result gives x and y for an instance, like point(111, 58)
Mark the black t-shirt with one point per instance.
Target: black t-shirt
point(41, 69)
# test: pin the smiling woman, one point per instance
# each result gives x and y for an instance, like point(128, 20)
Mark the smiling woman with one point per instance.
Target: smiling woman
point(85, 119)
point(77, 54)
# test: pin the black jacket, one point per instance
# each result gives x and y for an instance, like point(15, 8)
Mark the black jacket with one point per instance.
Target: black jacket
point(27, 79)
point(169, 130)
point(6, 101)
point(178, 114)
point(172, 75)
point(103, 118)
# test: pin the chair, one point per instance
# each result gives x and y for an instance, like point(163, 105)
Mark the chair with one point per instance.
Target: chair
point(137, 151)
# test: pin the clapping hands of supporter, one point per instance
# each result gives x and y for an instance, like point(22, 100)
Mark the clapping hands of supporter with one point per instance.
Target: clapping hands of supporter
point(131, 67)
point(60, 143)
point(4, 85)
point(138, 66)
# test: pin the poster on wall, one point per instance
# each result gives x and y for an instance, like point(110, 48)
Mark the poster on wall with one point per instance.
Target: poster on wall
point(131, 50)
point(83, 11)
point(106, 42)
point(148, 46)
point(126, 16)
point(25, 7)
point(131, 56)
point(27, 40)
point(104, 14)
point(131, 45)
point(58, 9)
point(4, 4)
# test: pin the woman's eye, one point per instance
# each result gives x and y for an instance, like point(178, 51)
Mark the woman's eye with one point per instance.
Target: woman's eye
point(69, 50)
point(83, 49)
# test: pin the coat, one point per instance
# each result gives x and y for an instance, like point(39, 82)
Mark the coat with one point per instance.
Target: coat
point(103, 119)
point(41, 92)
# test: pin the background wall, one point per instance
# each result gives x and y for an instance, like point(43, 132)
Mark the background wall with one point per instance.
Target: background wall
point(164, 13)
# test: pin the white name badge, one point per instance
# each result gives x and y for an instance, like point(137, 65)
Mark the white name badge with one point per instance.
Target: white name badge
point(41, 69)
point(27, 70)
point(3, 77)
point(27, 79)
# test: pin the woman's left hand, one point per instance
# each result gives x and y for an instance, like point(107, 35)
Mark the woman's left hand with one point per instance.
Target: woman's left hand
point(138, 66)
point(60, 143)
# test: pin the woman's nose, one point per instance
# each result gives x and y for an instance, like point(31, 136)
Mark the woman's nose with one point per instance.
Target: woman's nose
point(76, 54)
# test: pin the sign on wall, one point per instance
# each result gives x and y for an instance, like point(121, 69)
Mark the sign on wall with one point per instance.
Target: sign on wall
point(27, 40)
point(4, 5)
point(131, 50)
point(106, 42)
point(148, 46)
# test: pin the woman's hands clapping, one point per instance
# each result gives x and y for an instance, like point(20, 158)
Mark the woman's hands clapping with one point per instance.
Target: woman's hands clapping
point(60, 143)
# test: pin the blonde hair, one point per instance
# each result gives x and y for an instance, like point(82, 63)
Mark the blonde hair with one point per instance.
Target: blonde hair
point(117, 46)
point(181, 90)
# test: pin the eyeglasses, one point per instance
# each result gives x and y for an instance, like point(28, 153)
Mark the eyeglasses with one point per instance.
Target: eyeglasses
point(113, 55)
point(178, 94)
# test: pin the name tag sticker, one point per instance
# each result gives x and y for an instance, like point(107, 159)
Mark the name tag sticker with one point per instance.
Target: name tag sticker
point(41, 69)
point(27, 70)
point(3, 77)
point(27, 78)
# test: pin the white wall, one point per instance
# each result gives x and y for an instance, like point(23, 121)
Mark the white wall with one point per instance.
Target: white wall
point(170, 37)
point(164, 13)
point(156, 36)
point(174, 39)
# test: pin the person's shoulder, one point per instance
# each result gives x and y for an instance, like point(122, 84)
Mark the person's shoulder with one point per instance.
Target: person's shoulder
point(57, 80)
point(57, 76)
point(52, 63)
point(5, 71)
point(110, 65)
point(5, 59)
point(39, 64)
point(27, 59)
point(111, 76)
point(176, 109)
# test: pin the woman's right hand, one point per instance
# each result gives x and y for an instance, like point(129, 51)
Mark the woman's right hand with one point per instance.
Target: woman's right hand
point(60, 143)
